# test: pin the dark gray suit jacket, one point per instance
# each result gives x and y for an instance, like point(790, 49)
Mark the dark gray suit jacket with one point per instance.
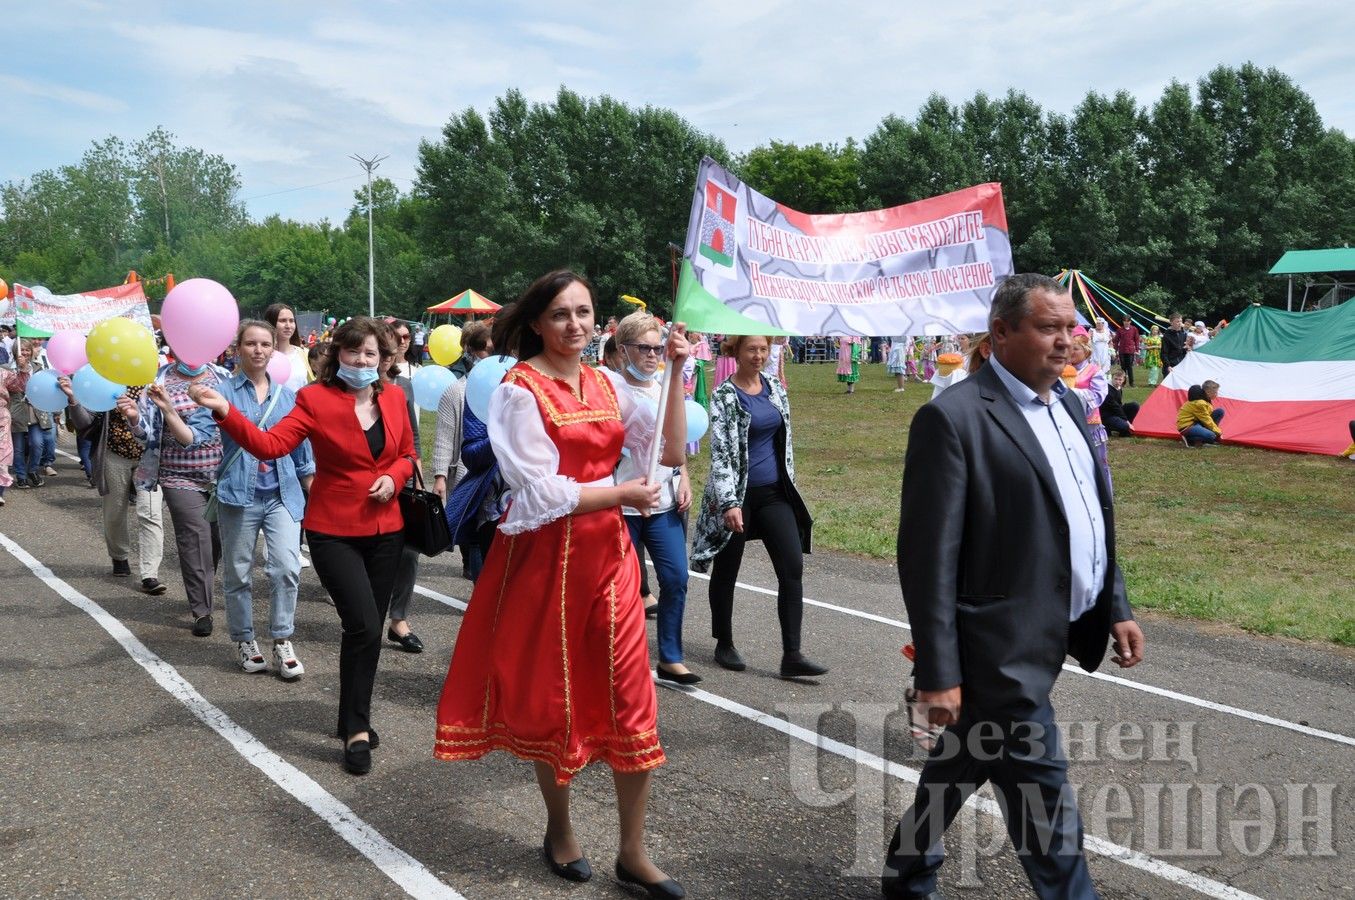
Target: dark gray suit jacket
point(983, 553)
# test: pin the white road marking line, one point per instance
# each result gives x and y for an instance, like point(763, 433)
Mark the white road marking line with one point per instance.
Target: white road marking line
point(397, 865)
point(1100, 846)
point(1077, 670)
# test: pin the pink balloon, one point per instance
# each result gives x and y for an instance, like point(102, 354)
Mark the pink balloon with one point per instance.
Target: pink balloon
point(66, 352)
point(199, 320)
point(279, 367)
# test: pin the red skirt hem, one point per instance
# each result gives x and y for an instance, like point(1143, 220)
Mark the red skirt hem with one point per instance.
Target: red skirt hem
point(624, 753)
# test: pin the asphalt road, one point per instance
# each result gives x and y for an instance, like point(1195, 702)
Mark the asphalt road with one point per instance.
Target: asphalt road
point(139, 761)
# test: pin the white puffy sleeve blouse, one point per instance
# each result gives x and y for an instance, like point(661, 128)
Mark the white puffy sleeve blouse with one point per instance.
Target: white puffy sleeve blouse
point(529, 461)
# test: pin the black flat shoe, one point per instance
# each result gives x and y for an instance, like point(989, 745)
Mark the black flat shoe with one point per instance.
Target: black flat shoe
point(202, 626)
point(729, 658)
point(373, 739)
point(357, 757)
point(663, 890)
point(677, 678)
point(794, 665)
point(409, 643)
point(578, 870)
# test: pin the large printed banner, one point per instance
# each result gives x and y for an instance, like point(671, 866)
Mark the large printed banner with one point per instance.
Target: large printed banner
point(753, 266)
point(40, 313)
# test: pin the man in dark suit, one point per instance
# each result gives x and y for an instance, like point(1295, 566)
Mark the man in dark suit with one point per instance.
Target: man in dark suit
point(1006, 555)
point(1173, 345)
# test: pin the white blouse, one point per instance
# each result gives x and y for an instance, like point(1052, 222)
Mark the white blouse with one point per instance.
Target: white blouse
point(529, 461)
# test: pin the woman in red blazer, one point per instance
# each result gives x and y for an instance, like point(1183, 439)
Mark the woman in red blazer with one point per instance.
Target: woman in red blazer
point(364, 449)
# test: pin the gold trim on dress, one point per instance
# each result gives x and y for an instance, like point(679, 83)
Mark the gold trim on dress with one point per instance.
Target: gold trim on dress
point(564, 634)
point(610, 413)
point(503, 585)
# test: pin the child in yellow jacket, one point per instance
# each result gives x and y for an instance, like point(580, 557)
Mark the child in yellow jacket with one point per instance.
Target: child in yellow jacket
point(1198, 420)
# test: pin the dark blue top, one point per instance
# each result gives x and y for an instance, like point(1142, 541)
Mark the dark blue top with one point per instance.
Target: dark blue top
point(762, 467)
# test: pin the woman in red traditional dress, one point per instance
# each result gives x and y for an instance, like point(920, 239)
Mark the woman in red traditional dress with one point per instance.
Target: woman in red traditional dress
point(552, 660)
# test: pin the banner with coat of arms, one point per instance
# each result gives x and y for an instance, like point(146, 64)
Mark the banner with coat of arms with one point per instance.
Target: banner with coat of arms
point(754, 266)
point(40, 313)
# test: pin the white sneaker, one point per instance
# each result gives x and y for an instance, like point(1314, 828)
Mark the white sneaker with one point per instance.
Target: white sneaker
point(305, 563)
point(251, 660)
point(285, 661)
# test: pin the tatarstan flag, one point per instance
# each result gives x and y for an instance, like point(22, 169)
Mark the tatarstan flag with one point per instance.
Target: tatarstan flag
point(1286, 381)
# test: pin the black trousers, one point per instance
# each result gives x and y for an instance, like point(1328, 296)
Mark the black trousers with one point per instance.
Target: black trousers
point(1127, 363)
point(1029, 772)
point(768, 514)
point(359, 574)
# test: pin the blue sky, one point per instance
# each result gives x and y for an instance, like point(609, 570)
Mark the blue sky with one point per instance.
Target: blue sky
point(288, 90)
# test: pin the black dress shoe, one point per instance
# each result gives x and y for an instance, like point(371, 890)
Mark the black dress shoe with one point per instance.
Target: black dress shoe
point(676, 678)
point(578, 870)
point(794, 665)
point(667, 889)
point(357, 757)
point(409, 643)
point(373, 738)
point(202, 626)
point(728, 657)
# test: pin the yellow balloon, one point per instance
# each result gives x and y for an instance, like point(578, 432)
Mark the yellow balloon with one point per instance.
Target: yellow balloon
point(123, 351)
point(445, 344)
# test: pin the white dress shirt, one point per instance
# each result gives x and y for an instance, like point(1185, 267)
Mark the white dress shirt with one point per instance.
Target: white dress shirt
point(1075, 475)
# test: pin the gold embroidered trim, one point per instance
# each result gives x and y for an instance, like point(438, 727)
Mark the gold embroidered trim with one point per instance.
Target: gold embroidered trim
point(609, 413)
point(564, 634)
point(508, 559)
point(551, 753)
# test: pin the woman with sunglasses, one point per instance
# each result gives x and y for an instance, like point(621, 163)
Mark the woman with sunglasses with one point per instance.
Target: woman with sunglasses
point(663, 531)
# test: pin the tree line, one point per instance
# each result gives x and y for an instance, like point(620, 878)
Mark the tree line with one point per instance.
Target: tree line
point(1185, 204)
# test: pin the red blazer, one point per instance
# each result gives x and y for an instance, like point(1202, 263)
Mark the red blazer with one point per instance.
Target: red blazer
point(344, 468)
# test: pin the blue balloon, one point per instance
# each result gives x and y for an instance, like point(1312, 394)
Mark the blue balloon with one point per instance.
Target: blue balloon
point(698, 421)
point(44, 393)
point(430, 383)
point(482, 381)
point(95, 392)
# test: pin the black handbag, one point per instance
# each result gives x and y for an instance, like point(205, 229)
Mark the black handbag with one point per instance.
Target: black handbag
point(426, 527)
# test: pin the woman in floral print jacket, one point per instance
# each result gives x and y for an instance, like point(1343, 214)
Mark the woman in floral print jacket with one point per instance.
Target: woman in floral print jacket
point(750, 495)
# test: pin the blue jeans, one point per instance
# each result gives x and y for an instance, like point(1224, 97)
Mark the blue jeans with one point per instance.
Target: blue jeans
point(49, 452)
point(1197, 433)
point(663, 535)
point(83, 446)
point(240, 527)
point(30, 447)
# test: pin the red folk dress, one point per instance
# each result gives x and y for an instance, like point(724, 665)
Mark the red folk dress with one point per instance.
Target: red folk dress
point(552, 661)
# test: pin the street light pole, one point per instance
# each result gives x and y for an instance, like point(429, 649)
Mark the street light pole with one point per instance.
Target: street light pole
point(369, 165)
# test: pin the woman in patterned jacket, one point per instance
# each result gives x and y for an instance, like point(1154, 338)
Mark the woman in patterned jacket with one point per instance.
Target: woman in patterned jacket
point(750, 495)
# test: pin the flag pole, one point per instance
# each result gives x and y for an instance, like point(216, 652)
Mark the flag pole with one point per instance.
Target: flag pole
point(652, 464)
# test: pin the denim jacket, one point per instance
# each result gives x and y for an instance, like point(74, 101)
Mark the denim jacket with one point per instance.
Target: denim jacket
point(150, 428)
point(235, 481)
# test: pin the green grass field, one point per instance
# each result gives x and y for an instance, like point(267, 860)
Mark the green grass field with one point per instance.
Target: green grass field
point(1259, 540)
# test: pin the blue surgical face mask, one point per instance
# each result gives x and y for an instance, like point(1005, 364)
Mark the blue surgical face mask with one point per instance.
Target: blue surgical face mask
point(641, 376)
point(358, 377)
point(190, 373)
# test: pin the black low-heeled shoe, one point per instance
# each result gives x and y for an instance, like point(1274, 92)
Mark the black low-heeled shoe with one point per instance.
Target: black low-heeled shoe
point(409, 643)
point(677, 677)
point(357, 757)
point(668, 889)
point(373, 739)
point(578, 870)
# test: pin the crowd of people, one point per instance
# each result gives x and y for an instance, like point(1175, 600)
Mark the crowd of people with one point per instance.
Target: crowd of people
point(552, 497)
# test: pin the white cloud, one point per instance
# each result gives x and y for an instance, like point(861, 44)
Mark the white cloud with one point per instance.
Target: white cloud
point(288, 90)
point(64, 95)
